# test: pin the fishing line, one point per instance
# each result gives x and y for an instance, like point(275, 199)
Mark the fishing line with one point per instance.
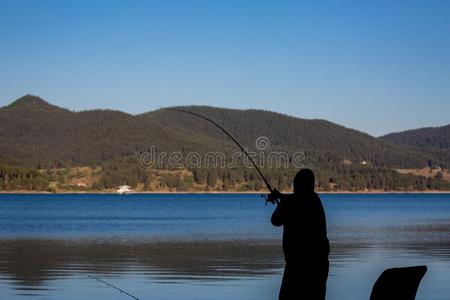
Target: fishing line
point(231, 137)
point(113, 286)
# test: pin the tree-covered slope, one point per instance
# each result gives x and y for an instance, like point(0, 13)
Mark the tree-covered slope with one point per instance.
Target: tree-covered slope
point(321, 140)
point(434, 142)
point(35, 133)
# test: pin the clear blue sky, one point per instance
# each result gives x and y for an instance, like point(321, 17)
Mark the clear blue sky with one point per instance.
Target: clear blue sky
point(378, 66)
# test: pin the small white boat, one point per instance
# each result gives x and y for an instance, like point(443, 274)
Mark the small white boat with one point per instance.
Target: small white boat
point(124, 189)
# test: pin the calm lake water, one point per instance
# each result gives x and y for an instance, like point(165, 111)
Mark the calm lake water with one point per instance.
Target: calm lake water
point(208, 246)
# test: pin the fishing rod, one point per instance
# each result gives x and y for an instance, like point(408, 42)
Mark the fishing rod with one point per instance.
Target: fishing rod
point(234, 140)
point(115, 287)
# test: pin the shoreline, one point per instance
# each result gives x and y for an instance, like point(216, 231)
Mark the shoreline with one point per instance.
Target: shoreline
point(374, 192)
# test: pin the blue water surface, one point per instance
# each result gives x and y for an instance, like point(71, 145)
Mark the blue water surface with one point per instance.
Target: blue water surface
point(208, 246)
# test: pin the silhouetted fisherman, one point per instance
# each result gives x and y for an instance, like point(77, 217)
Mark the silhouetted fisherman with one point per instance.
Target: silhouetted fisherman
point(305, 242)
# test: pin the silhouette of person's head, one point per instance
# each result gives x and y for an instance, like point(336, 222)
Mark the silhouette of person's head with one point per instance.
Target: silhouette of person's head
point(304, 181)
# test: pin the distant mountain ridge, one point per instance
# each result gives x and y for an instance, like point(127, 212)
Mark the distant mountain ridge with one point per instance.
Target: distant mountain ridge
point(427, 137)
point(36, 133)
point(322, 140)
point(433, 141)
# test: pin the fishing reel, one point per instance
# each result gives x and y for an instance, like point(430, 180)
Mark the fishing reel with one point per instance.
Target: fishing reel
point(274, 197)
point(267, 198)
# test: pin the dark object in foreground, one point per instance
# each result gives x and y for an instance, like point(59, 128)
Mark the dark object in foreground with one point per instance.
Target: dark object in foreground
point(398, 283)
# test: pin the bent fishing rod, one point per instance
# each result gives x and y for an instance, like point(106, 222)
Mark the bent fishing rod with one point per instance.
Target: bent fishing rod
point(114, 287)
point(269, 187)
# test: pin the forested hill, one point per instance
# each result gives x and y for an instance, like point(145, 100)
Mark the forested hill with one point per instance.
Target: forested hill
point(100, 149)
point(36, 133)
point(433, 141)
point(320, 139)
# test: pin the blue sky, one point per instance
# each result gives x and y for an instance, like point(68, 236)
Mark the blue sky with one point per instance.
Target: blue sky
point(377, 66)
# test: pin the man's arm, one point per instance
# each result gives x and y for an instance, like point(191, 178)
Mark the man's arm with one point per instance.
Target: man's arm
point(278, 215)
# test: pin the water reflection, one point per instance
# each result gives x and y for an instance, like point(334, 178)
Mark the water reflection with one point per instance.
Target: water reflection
point(30, 265)
point(29, 262)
